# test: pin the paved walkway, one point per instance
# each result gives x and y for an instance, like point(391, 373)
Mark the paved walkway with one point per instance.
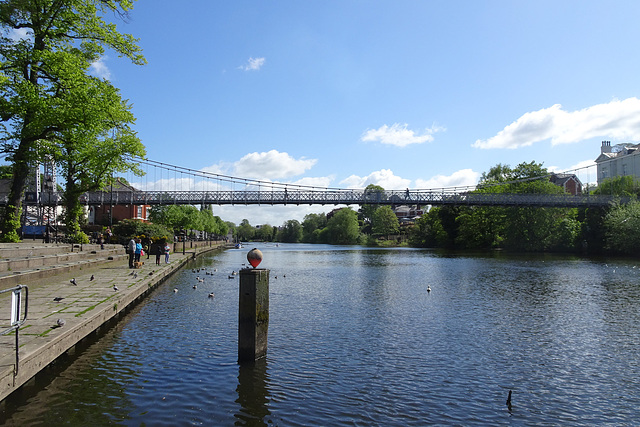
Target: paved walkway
point(102, 291)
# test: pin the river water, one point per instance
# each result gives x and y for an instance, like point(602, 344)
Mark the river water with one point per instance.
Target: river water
point(355, 338)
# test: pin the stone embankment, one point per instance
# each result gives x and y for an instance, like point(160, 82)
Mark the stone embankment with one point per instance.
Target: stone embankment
point(72, 292)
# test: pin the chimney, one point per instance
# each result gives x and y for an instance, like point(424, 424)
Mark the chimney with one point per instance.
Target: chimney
point(606, 147)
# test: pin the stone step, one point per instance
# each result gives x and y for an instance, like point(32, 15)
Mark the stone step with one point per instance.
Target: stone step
point(14, 263)
point(13, 278)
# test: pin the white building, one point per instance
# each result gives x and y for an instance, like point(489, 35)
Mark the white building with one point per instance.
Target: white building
point(619, 160)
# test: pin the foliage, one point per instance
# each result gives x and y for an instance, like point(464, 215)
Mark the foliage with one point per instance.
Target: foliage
point(6, 172)
point(128, 228)
point(428, 231)
point(619, 186)
point(622, 224)
point(44, 72)
point(385, 222)
point(593, 233)
point(516, 228)
point(12, 218)
point(342, 228)
point(265, 233)
point(78, 237)
point(310, 226)
point(245, 231)
point(290, 232)
point(99, 144)
point(185, 217)
point(373, 193)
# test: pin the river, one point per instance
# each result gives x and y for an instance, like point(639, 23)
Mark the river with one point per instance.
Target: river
point(355, 338)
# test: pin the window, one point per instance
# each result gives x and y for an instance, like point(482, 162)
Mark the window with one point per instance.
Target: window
point(139, 215)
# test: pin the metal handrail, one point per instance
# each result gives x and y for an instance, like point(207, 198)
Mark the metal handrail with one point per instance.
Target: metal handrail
point(16, 311)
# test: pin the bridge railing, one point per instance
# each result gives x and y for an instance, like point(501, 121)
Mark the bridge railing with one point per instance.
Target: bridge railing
point(329, 197)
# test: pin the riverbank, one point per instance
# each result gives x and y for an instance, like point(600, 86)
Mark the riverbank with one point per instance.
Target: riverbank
point(104, 289)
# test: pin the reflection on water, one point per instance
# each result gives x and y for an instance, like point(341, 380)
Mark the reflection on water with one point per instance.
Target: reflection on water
point(253, 394)
point(354, 338)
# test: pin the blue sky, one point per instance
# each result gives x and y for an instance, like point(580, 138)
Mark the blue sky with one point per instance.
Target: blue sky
point(417, 94)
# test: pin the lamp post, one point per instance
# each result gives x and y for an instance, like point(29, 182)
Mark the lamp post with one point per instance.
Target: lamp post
point(183, 236)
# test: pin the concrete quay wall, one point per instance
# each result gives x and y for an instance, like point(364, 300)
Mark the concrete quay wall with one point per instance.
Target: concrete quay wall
point(84, 307)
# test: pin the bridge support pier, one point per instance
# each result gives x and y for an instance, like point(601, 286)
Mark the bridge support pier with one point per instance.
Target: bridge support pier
point(253, 314)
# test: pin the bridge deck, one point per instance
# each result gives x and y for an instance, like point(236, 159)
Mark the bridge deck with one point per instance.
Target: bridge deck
point(330, 197)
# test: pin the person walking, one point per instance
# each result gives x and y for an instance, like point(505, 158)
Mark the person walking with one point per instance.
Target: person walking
point(167, 249)
point(131, 250)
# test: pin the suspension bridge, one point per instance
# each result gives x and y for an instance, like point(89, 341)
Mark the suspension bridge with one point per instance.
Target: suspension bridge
point(205, 188)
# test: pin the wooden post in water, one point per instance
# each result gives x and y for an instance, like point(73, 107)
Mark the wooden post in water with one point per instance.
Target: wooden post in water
point(253, 314)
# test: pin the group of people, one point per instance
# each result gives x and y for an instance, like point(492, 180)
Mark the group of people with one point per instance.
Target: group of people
point(135, 251)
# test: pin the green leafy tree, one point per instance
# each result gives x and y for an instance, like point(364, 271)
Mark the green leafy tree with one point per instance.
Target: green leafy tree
point(231, 228)
point(265, 233)
point(171, 216)
point(343, 228)
point(245, 231)
point(624, 186)
point(222, 228)
point(208, 222)
point(374, 194)
point(517, 228)
point(385, 222)
point(41, 70)
point(311, 224)
point(128, 228)
point(192, 220)
point(290, 232)
point(98, 146)
point(622, 224)
point(428, 231)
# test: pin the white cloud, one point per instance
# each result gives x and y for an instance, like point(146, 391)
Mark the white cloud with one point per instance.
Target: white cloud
point(319, 181)
point(616, 120)
point(19, 34)
point(271, 165)
point(384, 178)
point(461, 178)
point(254, 64)
point(398, 135)
point(99, 68)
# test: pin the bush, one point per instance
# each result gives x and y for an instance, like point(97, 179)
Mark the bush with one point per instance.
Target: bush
point(147, 231)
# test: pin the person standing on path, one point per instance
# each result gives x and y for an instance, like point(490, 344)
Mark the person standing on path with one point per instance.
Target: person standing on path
point(131, 249)
point(159, 251)
point(138, 249)
point(167, 249)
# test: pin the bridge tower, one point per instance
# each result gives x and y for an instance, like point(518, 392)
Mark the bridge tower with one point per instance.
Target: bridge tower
point(41, 184)
point(49, 193)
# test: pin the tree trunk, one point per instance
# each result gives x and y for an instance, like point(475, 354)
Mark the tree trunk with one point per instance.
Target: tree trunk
point(11, 217)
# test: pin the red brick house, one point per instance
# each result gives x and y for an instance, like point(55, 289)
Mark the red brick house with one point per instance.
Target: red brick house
point(102, 215)
point(569, 182)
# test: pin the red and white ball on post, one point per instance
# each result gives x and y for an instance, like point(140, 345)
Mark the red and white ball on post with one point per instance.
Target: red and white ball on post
point(254, 257)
